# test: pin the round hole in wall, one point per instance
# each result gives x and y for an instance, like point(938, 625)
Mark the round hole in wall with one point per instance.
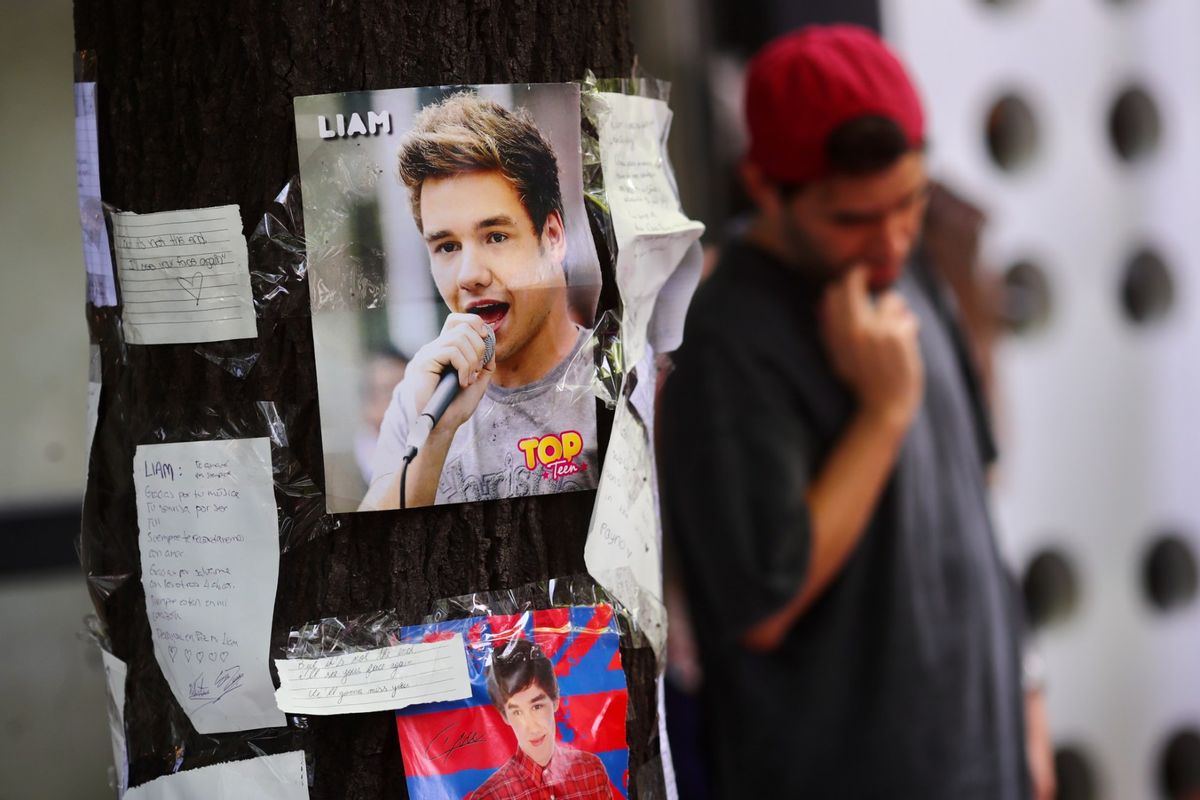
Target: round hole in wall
point(1134, 124)
point(1026, 303)
point(1075, 776)
point(1011, 132)
point(1050, 587)
point(1147, 289)
point(1169, 572)
point(1179, 766)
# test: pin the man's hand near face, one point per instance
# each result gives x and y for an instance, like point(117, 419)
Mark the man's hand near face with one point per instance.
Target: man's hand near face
point(460, 346)
point(873, 347)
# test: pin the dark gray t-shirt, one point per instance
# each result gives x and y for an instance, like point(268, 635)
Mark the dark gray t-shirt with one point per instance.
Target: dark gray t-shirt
point(902, 679)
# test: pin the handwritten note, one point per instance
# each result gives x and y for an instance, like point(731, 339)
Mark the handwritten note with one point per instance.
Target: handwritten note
point(375, 680)
point(96, 258)
point(278, 777)
point(623, 550)
point(209, 540)
point(184, 276)
point(114, 681)
point(652, 233)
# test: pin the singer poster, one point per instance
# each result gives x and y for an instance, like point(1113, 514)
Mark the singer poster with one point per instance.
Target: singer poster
point(450, 260)
point(546, 717)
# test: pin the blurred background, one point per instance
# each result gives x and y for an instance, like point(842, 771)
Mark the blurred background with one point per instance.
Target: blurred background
point(1066, 135)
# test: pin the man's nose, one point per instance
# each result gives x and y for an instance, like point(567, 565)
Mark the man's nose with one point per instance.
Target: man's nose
point(528, 727)
point(893, 238)
point(474, 271)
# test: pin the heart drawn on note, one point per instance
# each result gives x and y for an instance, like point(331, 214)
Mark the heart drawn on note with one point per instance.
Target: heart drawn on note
point(172, 650)
point(224, 656)
point(199, 656)
point(188, 655)
point(192, 285)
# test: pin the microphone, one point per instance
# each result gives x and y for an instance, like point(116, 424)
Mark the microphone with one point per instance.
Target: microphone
point(439, 401)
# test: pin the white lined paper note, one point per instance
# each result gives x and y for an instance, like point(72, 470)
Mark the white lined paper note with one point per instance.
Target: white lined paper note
point(184, 276)
point(384, 679)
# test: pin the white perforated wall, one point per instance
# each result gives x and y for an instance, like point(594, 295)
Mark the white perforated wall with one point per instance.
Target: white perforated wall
point(1101, 452)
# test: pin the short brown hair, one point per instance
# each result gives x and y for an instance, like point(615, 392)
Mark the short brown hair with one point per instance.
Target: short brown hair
point(465, 133)
point(515, 666)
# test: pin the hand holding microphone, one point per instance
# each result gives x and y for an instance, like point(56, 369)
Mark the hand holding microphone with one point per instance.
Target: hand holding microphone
point(446, 378)
point(873, 347)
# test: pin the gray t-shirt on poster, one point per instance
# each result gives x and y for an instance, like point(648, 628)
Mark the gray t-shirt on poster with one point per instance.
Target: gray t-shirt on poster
point(492, 455)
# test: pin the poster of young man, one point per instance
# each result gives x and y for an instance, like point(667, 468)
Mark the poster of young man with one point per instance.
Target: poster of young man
point(546, 716)
point(446, 236)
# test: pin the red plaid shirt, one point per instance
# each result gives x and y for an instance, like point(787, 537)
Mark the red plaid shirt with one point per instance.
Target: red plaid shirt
point(570, 775)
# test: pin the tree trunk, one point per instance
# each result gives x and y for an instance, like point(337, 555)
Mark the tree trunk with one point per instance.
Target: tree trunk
point(195, 110)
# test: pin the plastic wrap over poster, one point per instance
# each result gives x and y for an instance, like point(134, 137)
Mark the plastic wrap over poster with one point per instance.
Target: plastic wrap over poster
point(436, 218)
point(546, 715)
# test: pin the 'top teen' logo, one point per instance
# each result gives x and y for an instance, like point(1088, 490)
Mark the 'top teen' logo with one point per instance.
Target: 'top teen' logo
point(554, 452)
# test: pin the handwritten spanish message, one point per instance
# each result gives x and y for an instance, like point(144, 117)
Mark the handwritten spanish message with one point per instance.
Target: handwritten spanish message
point(653, 234)
point(209, 540)
point(623, 549)
point(383, 679)
point(278, 777)
point(184, 276)
point(101, 291)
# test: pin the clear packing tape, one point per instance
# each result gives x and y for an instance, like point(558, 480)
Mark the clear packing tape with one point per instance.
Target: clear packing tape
point(111, 559)
point(271, 773)
point(187, 554)
point(657, 267)
point(114, 680)
point(334, 636)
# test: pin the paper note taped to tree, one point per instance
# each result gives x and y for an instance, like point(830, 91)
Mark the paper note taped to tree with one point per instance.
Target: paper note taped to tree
point(384, 679)
point(184, 276)
point(208, 534)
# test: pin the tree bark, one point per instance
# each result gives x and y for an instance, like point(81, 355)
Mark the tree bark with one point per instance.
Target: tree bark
point(194, 110)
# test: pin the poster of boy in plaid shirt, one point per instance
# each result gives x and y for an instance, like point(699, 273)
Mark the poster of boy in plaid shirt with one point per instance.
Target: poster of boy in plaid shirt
point(545, 720)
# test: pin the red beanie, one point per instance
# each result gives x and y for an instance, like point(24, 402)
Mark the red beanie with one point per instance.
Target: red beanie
point(803, 85)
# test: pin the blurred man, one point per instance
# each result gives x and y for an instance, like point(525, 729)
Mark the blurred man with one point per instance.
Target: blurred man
point(824, 448)
point(483, 185)
point(523, 689)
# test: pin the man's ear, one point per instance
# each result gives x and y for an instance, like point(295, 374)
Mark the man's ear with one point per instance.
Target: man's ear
point(557, 702)
point(554, 236)
point(763, 192)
